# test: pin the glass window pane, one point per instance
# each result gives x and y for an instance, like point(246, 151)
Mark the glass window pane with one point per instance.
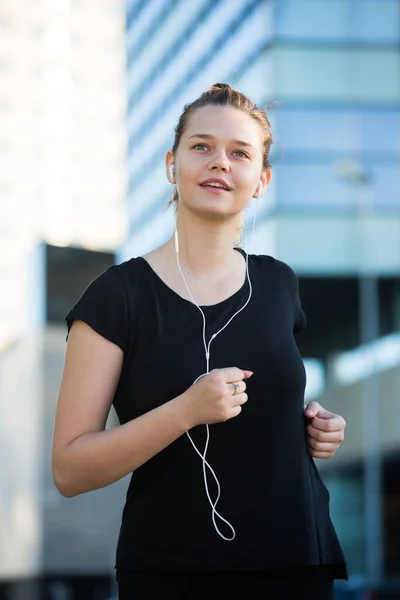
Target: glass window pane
point(376, 20)
point(312, 19)
point(375, 75)
point(313, 187)
point(380, 132)
point(317, 188)
point(314, 130)
point(373, 21)
point(339, 74)
point(386, 187)
point(304, 73)
point(336, 130)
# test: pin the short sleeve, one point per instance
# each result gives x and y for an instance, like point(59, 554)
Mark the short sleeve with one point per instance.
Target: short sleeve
point(103, 306)
point(299, 316)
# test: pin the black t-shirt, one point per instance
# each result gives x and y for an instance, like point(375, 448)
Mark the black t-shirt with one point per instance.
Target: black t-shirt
point(271, 491)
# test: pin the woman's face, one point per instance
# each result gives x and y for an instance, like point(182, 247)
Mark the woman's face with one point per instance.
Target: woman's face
point(220, 143)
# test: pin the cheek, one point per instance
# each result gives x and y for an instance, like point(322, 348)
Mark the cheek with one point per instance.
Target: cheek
point(189, 171)
point(245, 180)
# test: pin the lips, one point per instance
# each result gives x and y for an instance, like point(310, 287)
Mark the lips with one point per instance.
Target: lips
point(219, 182)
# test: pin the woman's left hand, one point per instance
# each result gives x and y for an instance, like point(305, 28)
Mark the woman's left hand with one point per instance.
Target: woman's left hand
point(325, 431)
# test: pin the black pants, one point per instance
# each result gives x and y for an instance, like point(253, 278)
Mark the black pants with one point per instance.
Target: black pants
point(311, 583)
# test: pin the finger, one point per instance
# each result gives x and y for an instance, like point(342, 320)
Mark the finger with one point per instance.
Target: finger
point(322, 446)
point(247, 374)
point(316, 454)
point(240, 399)
point(312, 409)
point(236, 410)
point(337, 420)
point(237, 387)
point(325, 436)
point(334, 423)
point(325, 414)
point(233, 374)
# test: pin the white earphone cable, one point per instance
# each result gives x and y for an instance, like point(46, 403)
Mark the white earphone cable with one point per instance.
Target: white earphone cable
point(205, 463)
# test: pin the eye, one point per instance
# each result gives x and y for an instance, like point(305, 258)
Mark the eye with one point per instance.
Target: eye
point(243, 154)
point(199, 145)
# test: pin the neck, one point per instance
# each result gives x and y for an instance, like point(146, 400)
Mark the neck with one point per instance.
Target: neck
point(204, 250)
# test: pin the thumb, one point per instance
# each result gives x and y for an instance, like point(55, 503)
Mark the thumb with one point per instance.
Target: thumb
point(313, 409)
point(325, 414)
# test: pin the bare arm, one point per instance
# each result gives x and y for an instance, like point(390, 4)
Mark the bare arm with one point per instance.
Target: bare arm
point(85, 456)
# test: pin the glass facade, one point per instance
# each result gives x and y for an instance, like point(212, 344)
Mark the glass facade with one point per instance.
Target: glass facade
point(333, 66)
point(370, 21)
point(327, 73)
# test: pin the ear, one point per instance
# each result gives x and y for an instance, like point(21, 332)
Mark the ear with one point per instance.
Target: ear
point(170, 166)
point(265, 178)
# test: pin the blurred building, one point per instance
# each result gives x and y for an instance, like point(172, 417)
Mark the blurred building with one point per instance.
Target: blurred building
point(332, 210)
point(62, 135)
point(51, 548)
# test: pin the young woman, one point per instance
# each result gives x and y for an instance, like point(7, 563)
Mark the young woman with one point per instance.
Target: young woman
point(194, 345)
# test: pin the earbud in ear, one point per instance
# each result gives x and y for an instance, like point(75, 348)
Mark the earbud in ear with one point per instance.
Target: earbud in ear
point(172, 172)
point(257, 192)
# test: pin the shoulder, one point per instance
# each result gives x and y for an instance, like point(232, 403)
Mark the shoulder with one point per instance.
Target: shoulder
point(129, 273)
point(285, 274)
point(271, 263)
point(128, 268)
point(111, 289)
point(110, 284)
point(278, 270)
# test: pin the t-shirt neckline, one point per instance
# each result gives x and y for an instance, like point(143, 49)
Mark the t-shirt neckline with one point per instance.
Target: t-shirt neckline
point(204, 307)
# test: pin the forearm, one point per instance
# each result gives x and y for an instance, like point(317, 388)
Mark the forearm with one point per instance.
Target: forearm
point(95, 460)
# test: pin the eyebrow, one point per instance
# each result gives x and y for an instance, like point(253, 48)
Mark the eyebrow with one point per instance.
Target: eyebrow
point(208, 136)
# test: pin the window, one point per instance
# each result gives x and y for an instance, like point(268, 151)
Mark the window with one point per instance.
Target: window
point(371, 21)
point(310, 19)
point(338, 130)
point(339, 74)
point(317, 187)
point(376, 21)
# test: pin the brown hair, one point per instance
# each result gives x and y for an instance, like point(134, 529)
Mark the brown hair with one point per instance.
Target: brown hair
point(221, 94)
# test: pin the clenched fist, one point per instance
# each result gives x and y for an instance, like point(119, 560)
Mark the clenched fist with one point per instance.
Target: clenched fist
point(217, 396)
point(325, 431)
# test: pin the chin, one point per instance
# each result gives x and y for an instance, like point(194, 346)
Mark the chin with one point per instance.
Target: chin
point(215, 213)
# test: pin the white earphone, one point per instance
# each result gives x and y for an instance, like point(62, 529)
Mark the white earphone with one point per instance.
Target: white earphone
point(202, 455)
point(172, 172)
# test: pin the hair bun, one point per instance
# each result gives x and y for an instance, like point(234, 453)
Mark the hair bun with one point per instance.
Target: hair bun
point(220, 86)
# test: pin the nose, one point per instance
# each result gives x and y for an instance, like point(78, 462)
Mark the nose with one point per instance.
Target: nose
point(220, 161)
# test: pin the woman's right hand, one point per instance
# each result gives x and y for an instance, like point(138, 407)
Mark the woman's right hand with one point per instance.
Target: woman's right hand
point(212, 398)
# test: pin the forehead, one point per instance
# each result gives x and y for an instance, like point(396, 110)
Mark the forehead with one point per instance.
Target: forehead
point(224, 122)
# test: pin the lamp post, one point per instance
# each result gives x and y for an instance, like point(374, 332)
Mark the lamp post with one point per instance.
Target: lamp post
point(358, 177)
